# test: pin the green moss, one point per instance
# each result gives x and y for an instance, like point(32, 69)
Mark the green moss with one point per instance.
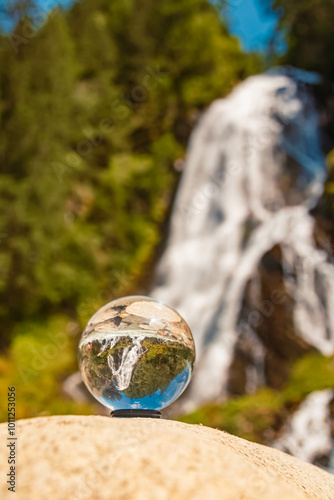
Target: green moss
point(311, 373)
point(252, 416)
point(39, 360)
point(247, 416)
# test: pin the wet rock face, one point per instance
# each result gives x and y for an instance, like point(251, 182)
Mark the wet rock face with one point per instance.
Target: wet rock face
point(115, 459)
point(268, 341)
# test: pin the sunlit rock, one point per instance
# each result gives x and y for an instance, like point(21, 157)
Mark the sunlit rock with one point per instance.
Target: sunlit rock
point(101, 458)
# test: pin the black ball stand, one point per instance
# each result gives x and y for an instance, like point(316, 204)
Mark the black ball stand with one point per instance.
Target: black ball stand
point(135, 414)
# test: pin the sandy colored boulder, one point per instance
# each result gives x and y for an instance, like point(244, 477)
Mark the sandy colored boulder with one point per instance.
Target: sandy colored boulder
point(99, 458)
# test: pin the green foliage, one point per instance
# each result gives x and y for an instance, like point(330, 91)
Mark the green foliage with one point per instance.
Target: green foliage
point(40, 357)
point(312, 373)
point(95, 106)
point(248, 416)
point(155, 369)
point(258, 416)
point(158, 367)
point(308, 29)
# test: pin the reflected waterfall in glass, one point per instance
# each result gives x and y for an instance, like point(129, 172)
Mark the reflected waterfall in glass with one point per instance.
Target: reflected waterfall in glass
point(136, 353)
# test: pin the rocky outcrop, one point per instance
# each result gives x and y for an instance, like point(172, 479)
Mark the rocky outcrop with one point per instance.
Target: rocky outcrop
point(99, 458)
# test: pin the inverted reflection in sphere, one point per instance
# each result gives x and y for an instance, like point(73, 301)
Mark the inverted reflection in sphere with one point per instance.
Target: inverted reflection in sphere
point(136, 353)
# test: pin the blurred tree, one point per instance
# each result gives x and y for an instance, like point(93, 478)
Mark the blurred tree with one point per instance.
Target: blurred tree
point(96, 103)
point(308, 29)
point(36, 87)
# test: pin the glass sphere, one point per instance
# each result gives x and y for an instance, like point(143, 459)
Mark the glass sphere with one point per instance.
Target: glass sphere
point(136, 353)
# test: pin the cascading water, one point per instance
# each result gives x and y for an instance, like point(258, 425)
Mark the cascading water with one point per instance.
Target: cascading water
point(307, 435)
point(254, 169)
point(122, 374)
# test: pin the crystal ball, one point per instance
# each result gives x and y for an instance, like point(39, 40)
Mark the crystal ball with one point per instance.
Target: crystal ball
point(136, 353)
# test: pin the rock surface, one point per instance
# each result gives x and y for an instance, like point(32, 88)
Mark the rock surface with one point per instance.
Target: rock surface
point(99, 458)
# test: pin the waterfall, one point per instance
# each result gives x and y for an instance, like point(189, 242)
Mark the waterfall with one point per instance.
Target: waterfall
point(122, 374)
point(307, 435)
point(254, 169)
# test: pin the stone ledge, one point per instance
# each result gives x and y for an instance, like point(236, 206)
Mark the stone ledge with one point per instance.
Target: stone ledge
point(99, 458)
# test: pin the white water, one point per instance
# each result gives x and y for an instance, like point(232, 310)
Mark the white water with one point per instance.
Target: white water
point(307, 435)
point(121, 375)
point(254, 161)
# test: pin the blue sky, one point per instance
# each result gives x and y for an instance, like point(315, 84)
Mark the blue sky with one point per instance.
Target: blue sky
point(246, 19)
point(253, 26)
